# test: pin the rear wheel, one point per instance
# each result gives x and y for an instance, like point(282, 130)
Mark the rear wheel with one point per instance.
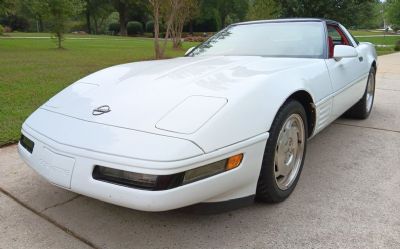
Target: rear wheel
point(284, 153)
point(362, 108)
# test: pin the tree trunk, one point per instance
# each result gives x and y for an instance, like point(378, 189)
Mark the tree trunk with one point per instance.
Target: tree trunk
point(88, 24)
point(95, 25)
point(176, 32)
point(122, 19)
point(40, 20)
point(191, 27)
point(59, 36)
point(223, 18)
point(160, 48)
point(156, 14)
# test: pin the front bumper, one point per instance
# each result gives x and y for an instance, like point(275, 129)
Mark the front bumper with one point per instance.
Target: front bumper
point(71, 168)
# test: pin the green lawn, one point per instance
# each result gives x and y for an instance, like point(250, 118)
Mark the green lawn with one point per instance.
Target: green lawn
point(364, 32)
point(377, 38)
point(388, 41)
point(32, 70)
point(25, 34)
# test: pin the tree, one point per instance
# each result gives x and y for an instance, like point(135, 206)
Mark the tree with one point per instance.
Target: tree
point(185, 10)
point(348, 12)
point(58, 12)
point(263, 9)
point(124, 7)
point(139, 11)
point(359, 14)
point(96, 11)
point(164, 11)
point(33, 9)
point(393, 13)
point(224, 11)
point(7, 7)
point(235, 9)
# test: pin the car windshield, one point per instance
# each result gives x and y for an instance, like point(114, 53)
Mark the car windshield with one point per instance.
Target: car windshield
point(285, 39)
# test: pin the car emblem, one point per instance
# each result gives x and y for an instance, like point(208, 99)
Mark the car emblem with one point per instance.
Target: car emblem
point(101, 110)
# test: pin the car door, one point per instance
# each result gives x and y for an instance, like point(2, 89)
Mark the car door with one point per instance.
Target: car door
point(347, 74)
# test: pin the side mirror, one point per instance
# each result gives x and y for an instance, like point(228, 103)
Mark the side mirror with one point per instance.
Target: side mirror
point(189, 50)
point(344, 51)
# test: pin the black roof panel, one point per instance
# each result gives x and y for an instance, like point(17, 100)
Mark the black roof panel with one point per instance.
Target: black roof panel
point(288, 20)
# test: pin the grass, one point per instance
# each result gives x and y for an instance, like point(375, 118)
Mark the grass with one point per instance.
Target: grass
point(377, 38)
point(26, 34)
point(388, 41)
point(32, 70)
point(364, 32)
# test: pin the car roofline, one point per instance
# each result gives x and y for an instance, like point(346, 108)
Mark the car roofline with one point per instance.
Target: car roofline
point(285, 20)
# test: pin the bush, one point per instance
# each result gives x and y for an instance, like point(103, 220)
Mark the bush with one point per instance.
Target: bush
point(7, 29)
point(150, 26)
point(134, 28)
point(397, 46)
point(1, 29)
point(112, 18)
point(196, 39)
point(114, 27)
point(77, 26)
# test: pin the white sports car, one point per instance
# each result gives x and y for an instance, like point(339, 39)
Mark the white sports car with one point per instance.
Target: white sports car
point(228, 122)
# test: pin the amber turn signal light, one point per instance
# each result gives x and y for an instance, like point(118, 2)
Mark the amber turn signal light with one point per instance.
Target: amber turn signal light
point(234, 161)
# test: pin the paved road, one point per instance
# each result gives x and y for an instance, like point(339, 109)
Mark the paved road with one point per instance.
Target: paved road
point(347, 197)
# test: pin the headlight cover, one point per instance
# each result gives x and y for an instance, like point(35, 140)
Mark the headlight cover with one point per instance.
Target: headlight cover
point(191, 114)
point(164, 182)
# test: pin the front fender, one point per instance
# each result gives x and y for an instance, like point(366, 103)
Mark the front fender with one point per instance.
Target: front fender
point(252, 111)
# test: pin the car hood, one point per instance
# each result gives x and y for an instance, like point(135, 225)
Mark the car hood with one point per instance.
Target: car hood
point(176, 95)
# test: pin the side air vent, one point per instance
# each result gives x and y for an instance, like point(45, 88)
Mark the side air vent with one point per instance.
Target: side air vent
point(27, 143)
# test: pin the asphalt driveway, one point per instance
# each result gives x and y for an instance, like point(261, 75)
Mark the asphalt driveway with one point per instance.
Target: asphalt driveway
point(348, 197)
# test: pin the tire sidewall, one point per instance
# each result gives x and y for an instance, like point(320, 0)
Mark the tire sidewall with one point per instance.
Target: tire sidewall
point(268, 164)
point(373, 72)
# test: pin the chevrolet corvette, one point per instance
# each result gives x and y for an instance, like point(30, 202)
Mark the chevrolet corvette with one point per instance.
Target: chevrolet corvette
point(227, 122)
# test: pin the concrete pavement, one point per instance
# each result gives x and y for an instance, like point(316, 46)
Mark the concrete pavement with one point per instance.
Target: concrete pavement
point(347, 197)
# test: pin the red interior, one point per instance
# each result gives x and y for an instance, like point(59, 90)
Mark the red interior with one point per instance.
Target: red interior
point(344, 38)
point(331, 46)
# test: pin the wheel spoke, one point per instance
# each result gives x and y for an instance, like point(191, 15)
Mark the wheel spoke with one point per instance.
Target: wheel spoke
point(289, 151)
point(285, 170)
point(279, 162)
point(370, 92)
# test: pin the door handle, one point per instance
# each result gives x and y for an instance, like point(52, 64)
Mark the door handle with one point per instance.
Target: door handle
point(360, 58)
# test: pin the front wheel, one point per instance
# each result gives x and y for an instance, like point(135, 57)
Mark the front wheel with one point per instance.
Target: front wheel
point(284, 153)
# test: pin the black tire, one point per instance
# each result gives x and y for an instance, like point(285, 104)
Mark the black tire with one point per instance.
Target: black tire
point(267, 187)
point(360, 110)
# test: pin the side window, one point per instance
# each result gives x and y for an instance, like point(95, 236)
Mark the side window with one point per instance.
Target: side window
point(354, 39)
point(349, 35)
point(337, 36)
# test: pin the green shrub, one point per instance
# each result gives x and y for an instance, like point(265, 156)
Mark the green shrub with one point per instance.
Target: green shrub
point(1, 29)
point(150, 26)
point(134, 28)
point(397, 46)
point(114, 27)
point(78, 26)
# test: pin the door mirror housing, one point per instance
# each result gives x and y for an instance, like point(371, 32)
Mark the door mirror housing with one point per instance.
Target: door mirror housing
point(189, 50)
point(344, 51)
